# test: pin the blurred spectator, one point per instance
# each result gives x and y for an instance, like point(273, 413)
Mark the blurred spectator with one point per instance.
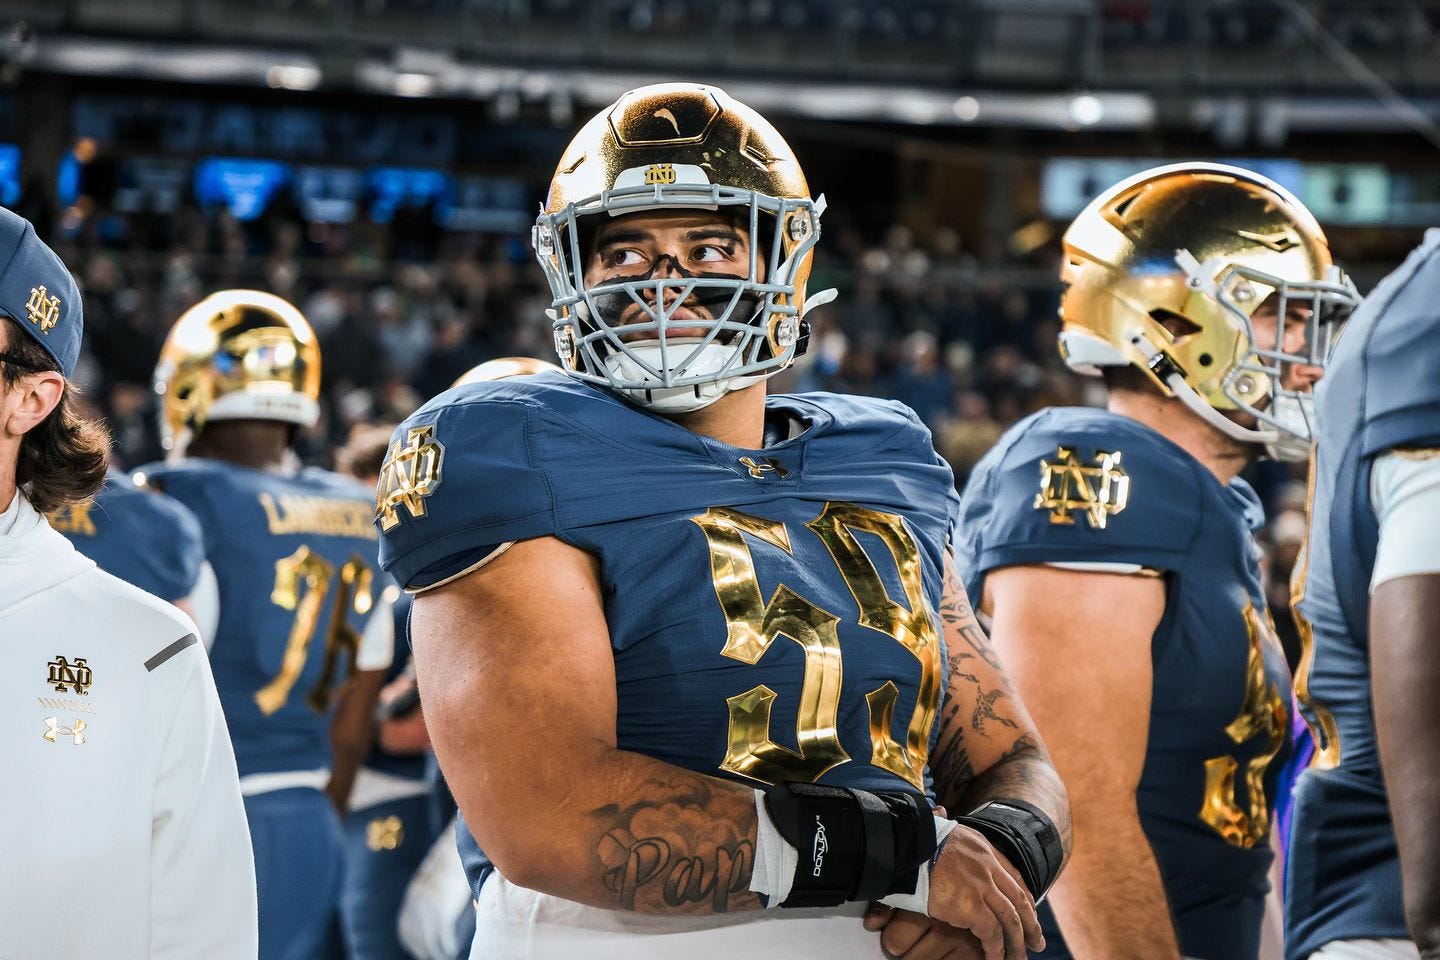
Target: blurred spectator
point(921, 383)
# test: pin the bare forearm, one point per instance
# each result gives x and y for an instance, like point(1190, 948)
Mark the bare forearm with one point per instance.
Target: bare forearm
point(638, 834)
point(1023, 773)
point(1110, 901)
point(987, 748)
point(1407, 723)
point(351, 733)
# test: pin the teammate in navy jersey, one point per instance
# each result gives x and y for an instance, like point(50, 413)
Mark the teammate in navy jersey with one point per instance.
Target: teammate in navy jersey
point(1366, 597)
point(1113, 552)
point(387, 823)
point(147, 539)
point(294, 556)
point(686, 649)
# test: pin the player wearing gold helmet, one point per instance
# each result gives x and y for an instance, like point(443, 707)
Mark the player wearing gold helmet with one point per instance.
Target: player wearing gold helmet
point(294, 558)
point(683, 645)
point(1113, 551)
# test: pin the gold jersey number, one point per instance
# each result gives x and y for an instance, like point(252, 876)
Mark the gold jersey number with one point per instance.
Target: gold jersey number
point(1263, 714)
point(753, 624)
point(1323, 728)
point(302, 583)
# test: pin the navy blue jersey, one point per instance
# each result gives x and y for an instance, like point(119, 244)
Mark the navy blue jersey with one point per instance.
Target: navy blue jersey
point(141, 536)
point(294, 560)
point(738, 584)
point(1381, 390)
point(1089, 486)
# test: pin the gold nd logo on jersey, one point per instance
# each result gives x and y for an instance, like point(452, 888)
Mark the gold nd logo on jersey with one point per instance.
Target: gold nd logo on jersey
point(1098, 490)
point(386, 833)
point(410, 474)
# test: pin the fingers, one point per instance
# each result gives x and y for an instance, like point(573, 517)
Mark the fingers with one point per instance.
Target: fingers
point(902, 932)
point(943, 942)
point(1009, 920)
point(877, 916)
point(972, 887)
point(1009, 883)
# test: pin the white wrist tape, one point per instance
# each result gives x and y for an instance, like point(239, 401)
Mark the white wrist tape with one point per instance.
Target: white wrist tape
point(919, 901)
point(775, 858)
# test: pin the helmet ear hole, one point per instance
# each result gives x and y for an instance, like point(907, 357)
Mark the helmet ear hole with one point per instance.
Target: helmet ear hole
point(1177, 325)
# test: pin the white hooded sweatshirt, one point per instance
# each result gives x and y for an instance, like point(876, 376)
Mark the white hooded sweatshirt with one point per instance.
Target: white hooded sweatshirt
point(125, 832)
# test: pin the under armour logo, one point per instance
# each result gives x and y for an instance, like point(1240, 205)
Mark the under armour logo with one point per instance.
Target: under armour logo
point(53, 729)
point(64, 675)
point(758, 469)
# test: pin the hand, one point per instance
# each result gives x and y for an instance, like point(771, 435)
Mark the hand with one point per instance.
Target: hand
point(973, 886)
point(915, 936)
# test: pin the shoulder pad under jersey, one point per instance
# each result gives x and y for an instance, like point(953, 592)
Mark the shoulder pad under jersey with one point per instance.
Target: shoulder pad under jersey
point(1075, 485)
point(1388, 360)
point(888, 439)
point(141, 536)
point(459, 481)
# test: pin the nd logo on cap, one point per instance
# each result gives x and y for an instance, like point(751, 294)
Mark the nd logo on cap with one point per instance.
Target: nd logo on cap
point(43, 309)
point(29, 272)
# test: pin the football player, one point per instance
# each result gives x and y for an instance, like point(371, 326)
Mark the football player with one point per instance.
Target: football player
point(1366, 597)
point(1113, 553)
point(127, 824)
point(294, 556)
point(686, 650)
point(387, 825)
point(147, 539)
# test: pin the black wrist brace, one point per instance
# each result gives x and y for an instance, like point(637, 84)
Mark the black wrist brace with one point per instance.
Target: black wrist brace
point(853, 844)
point(1027, 837)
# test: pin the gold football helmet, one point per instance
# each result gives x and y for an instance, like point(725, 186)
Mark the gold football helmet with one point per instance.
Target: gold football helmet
point(237, 355)
point(1165, 270)
point(668, 146)
point(503, 369)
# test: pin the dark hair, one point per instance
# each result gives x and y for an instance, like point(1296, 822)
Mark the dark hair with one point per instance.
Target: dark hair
point(364, 453)
point(1128, 378)
point(62, 460)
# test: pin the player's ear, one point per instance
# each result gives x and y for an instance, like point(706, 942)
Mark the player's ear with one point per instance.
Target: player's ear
point(33, 397)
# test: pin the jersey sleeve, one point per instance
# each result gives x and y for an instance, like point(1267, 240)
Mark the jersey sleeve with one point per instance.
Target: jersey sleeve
point(177, 548)
point(1083, 497)
point(459, 484)
point(1402, 388)
point(1405, 491)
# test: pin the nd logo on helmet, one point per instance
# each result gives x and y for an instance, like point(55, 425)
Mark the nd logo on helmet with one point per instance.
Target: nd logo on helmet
point(659, 174)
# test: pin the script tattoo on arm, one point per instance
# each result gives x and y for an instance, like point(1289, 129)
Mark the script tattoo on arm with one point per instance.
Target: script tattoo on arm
point(663, 853)
point(988, 748)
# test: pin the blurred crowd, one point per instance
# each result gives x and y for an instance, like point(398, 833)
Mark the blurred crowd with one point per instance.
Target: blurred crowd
point(404, 308)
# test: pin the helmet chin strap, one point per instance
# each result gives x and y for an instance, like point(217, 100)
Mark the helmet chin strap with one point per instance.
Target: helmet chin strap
point(1163, 367)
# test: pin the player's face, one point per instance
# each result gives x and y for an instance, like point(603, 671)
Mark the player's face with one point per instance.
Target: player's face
point(1293, 333)
point(670, 244)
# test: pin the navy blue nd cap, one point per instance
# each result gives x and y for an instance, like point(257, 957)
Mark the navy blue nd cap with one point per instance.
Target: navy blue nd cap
point(38, 292)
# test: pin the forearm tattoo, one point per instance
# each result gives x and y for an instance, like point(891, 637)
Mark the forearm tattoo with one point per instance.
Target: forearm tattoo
point(1024, 770)
point(677, 850)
